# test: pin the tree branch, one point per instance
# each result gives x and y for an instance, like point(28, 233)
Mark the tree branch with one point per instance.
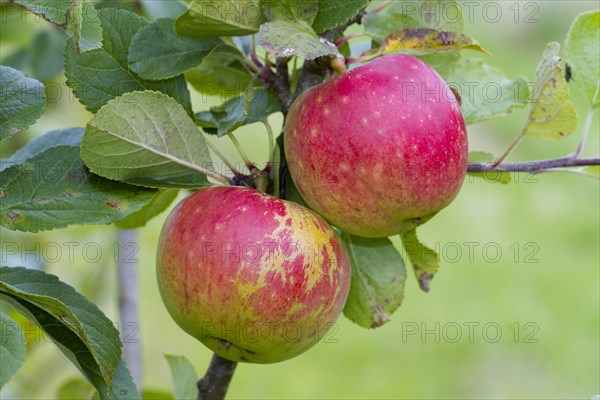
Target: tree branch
point(215, 383)
point(128, 305)
point(533, 167)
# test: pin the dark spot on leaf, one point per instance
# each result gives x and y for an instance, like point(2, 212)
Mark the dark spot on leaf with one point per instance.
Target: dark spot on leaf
point(424, 281)
point(43, 199)
point(561, 133)
point(13, 215)
point(553, 80)
point(568, 73)
point(76, 175)
point(380, 317)
point(250, 351)
point(394, 279)
point(243, 358)
point(114, 204)
point(123, 392)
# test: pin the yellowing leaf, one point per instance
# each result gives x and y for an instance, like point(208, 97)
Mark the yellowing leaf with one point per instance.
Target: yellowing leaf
point(423, 41)
point(425, 261)
point(552, 116)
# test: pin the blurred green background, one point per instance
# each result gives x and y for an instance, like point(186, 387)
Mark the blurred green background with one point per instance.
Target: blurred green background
point(513, 314)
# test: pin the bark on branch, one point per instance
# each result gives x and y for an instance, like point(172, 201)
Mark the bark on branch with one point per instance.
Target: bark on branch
point(215, 383)
point(533, 167)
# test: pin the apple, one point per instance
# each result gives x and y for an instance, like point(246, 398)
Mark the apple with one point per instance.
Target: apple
point(378, 150)
point(254, 278)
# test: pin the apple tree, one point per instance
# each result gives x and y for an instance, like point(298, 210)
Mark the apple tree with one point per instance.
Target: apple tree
point(373, 145)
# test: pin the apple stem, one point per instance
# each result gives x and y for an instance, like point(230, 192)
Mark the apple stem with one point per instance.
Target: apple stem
point(214, 384)
point(338, 64)
point(240, 150)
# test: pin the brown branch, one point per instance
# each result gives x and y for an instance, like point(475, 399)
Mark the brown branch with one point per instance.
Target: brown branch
point(533, 167)
point(214, 385)
point(128, 298)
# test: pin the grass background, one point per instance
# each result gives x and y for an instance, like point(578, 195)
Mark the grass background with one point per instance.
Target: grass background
point(554, 298)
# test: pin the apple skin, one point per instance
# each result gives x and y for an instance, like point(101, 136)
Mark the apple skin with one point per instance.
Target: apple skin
point(378, 150)
point(255, 278)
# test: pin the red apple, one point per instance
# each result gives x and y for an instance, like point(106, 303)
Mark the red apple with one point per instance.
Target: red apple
point(254, 278)
point(380, 149)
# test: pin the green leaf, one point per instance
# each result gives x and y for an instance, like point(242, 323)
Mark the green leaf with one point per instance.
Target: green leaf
point(158, 52)
point(425, 261)
point(22, 101)
point(422, 41)
point(221, 73)
point(43, 58)
point(59, 137)
point(79, 329)
point(151, 394)
point(255, 106)
point(480, 156)
point(84, 25)
point(332, 13)
point(289, 10)
point(12, 348)
point(552, 116)
point(159, 203)
point(101, 75)
point(377, 286)
point(78, 18)
point(54, 189)
point(184, 377)
point(209, 18)
point(485, 91)
point(441, 15)
point(147, 139)
point(293, 38)
point(155, 9)
point(224, 119)
point(122, 385)
point(582, 50)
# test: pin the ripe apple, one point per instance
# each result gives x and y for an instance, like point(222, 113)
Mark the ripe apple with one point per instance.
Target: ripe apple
point(380, 149)
point(253, 277)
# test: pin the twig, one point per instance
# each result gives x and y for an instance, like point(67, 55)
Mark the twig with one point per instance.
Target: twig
point(381, 7)
point(279, 82)
point(214, 385)
point(510, 149)
point(343, 40)
point(533, 167)
point(128, 305)
point(240, 150)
